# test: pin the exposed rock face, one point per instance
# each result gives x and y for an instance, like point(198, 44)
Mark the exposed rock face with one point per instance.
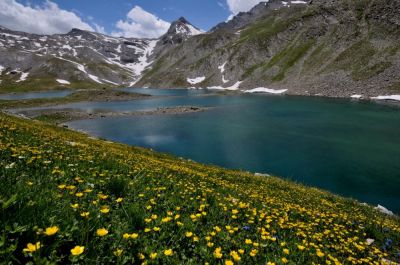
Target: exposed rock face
point(324, 47)
point(319, 47)
point(83, 58)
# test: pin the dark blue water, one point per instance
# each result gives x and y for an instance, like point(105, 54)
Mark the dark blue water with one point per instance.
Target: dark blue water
point(347, 147)
point(33, 95)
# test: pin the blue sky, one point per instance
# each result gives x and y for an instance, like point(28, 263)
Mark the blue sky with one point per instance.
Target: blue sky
point(201, 13)
point(128, 18)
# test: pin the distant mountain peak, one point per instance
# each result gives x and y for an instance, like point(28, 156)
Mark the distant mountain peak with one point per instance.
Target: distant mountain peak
point(179, 31)
point(183, 27)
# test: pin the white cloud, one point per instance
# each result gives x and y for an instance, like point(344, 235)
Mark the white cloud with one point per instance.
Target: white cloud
point(45, 19)
point(236, 6)
point(141, 24)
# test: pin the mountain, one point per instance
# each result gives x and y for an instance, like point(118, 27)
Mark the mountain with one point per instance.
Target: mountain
point(318, 47)
point(81, 58)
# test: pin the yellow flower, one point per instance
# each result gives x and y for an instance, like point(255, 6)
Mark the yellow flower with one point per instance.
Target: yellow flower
point(210, 244)
point(118, 252)
point(241, 251)
point(195, 239)
point(286, 251)
point(102, 196)
point(300, 247)
point(156, 229)
point(126, 236)
point(85, 214)
point(102, 232)
point(228, 262)
point(105, 210)
point(253, 252)
point(119, 200)
point(154, 216)
point(77, 250)
point(235, 256)
point(166, 219)
point(62, 186)
point(134, 236)
point(51, 230)
point(248, 241)
point(79, 194)
point(217, 253)
point(74, 206)
point(189, 234)
point(168, 252)
point(270, 263)
point(320, 254)
point(153, 255)
point(284, 260)
point(32, 247)
point(141, 256)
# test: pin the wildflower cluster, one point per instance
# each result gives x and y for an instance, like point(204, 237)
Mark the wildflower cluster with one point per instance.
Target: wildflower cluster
point(67, 198)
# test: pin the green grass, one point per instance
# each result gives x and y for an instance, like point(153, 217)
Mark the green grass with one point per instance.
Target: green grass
point(161, 209)
point(285, 59)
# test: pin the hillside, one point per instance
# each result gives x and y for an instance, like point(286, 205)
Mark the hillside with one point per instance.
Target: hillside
point(320, 47)
point(67, 197)
point(330, 48)
point(80, 59)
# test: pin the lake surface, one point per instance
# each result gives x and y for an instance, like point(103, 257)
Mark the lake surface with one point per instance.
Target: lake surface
point(33, 95)
point(348, 147)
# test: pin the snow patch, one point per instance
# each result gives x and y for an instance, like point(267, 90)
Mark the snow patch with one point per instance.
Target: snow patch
point(356, 96)
point(266, 90)
point(23, 77)
point(222, 67)
point(111, 82)
point(63, 82)
point(196, 80)
point(390, 97)
point(138, 68)
point(382, 209)
point(193, 31)
point(234, 87)
point(67, 47)
point(2, 68)
point(118, 49)
point(298, 2)
point(82, 69)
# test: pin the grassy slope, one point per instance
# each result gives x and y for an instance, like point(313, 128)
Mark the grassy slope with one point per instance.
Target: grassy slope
point(171, 204)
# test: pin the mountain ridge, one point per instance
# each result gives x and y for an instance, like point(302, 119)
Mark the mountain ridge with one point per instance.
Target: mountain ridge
point(320, 47)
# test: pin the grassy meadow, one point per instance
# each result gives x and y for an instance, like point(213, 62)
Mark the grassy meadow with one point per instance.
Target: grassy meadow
point(69, 198)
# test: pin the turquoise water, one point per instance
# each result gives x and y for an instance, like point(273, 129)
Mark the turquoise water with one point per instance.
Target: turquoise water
point(348, 147)
point(33, 95)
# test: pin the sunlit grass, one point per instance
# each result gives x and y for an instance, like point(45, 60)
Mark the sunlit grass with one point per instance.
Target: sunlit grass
point(68, 198)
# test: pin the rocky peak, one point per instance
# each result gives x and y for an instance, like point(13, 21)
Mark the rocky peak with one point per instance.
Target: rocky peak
point(179, 31)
